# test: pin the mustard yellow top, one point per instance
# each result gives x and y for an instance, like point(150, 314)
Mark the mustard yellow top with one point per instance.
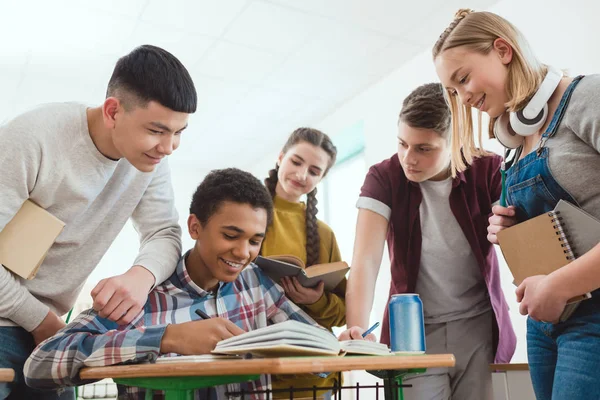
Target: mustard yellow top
point(287, 235)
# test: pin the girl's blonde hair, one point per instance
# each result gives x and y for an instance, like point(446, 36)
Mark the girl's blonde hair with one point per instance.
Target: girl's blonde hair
point(478, 31)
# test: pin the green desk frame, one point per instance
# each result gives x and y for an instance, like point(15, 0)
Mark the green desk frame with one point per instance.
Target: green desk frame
point(182, 387)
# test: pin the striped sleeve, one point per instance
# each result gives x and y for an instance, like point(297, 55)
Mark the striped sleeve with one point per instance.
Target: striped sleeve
point(89, 341)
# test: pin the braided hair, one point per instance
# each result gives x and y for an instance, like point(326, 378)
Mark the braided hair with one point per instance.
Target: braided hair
point(318, 139)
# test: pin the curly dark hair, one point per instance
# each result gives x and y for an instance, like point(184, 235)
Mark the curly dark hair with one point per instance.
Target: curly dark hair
point(318, 139)
point(229, 184)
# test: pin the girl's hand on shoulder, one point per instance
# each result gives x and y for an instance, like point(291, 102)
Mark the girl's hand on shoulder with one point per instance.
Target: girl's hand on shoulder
point(300, 294)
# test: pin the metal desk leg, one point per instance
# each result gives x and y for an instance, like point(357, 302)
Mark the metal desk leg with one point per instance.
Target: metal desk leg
point(391, 391)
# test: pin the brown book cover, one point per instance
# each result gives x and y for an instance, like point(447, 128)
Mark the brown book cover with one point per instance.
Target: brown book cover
point(541, 245)
point(26, 239)
point(534, 247)
point(276, 267)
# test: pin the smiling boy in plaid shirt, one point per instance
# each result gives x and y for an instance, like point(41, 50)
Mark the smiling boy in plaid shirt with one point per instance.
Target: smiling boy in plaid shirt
point(229, 215)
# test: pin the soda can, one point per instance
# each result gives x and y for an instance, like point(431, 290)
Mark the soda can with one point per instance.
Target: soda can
point(407, 326)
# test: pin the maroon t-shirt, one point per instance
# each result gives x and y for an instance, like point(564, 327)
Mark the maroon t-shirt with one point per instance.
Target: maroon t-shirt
point(471, 198)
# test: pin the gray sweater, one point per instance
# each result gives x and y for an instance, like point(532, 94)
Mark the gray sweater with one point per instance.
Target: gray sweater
point(47, 155)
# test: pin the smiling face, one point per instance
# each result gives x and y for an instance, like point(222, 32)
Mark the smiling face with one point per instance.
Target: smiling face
point(227, 243)
point(301, 168)
point(144, 134)
point(478, 80)
point(423, 153)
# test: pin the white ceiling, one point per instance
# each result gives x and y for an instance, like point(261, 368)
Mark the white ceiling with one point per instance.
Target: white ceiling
point(261, 67)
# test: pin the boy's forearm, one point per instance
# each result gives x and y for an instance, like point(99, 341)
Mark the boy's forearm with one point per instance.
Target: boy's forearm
point(359, 298)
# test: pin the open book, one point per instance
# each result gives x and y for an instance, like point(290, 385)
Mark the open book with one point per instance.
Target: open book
point(26, 239)
point(541, 245)
point(294, 338)
point(276, 267)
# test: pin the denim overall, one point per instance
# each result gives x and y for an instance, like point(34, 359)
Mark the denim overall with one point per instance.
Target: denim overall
point(564, 358)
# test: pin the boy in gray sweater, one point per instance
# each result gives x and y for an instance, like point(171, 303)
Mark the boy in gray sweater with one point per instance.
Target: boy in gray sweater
point(93, 168)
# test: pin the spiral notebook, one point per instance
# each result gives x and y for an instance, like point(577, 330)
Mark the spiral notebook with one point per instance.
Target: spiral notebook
point(548, 242)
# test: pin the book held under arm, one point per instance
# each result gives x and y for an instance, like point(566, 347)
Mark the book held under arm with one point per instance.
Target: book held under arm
point(550, 241)
point(294, 338)
point(276, 267)
point(26, 239)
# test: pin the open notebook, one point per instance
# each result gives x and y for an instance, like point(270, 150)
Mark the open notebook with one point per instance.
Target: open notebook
point(294, 338)
point(543, 244)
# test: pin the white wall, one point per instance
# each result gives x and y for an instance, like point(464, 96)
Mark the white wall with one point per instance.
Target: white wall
point(559, 34)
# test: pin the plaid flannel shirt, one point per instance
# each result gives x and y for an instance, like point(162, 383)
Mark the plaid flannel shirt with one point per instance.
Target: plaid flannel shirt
point(252, 301)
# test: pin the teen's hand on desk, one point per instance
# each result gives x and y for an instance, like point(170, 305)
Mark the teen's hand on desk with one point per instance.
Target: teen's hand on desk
point(300, 294)
point(503, 218)
point(197, 337)
point(355, 333)
point(540, 299)
point(122, 297)
point(49, 326)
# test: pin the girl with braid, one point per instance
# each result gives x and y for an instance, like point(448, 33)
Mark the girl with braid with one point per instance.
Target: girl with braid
point(304, 160)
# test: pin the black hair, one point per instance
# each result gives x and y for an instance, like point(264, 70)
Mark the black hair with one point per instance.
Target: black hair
point(229, 184)
point(150, 73)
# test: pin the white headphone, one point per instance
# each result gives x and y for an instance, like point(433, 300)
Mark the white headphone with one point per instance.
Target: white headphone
point(510, 128)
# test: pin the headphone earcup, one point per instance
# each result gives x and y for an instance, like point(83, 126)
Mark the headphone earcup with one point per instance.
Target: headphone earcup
point(505, 134)
point(525, 126)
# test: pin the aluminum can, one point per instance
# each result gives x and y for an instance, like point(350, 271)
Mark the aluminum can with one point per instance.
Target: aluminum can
point(407, 327)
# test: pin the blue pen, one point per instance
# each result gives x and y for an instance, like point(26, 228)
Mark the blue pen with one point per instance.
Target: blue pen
point(371, 329)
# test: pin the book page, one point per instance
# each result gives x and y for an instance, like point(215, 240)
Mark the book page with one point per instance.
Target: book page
point(365, 347)
point(289, 330)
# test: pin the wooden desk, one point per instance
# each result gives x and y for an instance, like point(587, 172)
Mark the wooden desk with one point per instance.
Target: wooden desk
point(7, 374)
point(194, 375)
